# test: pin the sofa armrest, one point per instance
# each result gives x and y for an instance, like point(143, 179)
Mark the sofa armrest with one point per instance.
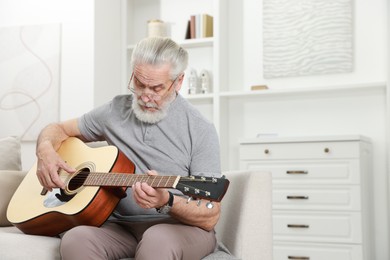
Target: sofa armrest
point(245, 226)
point(9, 182)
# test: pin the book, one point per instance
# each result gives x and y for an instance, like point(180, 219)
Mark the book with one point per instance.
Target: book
point(192, 26)
point(200, 26)
point(207, 25)
point(188, 30)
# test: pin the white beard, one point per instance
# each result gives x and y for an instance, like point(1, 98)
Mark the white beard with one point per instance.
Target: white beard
point(151, 117)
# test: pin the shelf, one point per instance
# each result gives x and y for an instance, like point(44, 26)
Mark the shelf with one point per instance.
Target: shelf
point(199, 97)
point(352, 89)
point(355, 88)
point(195, 43)
point(191, 43)
point(304, 139)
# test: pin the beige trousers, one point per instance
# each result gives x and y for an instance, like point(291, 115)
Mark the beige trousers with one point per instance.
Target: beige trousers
point(142, 241)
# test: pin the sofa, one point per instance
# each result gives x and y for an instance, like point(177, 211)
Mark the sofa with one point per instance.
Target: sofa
point(244, 230)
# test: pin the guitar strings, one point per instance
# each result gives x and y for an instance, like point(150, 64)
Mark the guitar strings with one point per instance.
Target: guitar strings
point(81, 177)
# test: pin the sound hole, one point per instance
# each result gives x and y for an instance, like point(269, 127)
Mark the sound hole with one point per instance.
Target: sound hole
point(78, 180)
point(74, 184)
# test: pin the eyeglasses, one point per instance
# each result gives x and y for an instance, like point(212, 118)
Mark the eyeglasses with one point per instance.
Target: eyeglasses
point(139, 88)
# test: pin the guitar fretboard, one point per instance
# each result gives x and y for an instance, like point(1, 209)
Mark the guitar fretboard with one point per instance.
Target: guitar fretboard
point(127, 180)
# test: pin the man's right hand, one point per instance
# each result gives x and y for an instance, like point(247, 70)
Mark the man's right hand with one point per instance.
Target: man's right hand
point(49, 165)
point(49, 162)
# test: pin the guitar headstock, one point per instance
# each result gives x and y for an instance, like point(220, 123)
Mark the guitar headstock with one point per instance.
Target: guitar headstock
point(208, 188)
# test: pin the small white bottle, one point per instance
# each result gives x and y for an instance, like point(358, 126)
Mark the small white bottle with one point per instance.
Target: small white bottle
point(192, 82)
point(205, 86)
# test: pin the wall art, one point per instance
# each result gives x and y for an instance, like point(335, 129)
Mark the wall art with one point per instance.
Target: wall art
point(29, 79)
point(307, 37)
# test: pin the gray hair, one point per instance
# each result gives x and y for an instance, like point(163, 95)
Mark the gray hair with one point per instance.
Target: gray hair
point(158, 51)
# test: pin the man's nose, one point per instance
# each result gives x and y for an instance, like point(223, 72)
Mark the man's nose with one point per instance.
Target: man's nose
point(145, 97)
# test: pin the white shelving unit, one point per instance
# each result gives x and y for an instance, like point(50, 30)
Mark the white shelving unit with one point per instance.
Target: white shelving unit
point(204, 53)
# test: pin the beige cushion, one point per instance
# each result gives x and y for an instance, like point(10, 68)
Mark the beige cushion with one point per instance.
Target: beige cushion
point(245, 226)
point(10, 158)
point(14, 245)
point(9, 181)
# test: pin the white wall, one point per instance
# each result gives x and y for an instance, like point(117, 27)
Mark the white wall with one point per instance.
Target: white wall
point(317, 113)
point(387, 55)
point(369, 47)
point(108, 50)
point(77, 56)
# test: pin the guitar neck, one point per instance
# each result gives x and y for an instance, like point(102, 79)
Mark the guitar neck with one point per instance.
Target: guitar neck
point(127, 180)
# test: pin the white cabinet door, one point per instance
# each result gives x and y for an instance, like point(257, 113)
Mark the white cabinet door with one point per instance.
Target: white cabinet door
point(319, 226)
point(291, 251)
point(316, 197)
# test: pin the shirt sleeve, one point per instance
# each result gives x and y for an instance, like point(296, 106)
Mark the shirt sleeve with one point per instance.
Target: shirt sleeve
point(92, 124)
point(205, 160)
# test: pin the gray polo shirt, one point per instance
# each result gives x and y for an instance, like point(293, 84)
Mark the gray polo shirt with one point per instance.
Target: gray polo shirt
point(183, 143)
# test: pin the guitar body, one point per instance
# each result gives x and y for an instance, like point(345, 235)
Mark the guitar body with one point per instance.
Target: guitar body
point(31, 212)
point(93, 191)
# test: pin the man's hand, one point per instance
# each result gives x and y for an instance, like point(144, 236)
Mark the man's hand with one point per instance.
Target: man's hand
point(49, 162)
point(193, 213)
point(49, 165)
point(147, 197)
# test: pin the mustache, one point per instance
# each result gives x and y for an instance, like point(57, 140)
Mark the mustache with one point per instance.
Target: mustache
point(147, 104)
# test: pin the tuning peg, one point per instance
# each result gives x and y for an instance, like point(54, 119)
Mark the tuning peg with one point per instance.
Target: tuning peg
point(198, 203)
point(189, 200)
point(209, 205)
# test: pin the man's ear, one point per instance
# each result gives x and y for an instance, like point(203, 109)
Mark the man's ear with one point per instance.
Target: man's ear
point(179, 83)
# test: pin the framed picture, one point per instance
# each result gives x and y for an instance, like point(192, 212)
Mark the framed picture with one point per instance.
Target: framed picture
point(307, 37)
point(29, 79)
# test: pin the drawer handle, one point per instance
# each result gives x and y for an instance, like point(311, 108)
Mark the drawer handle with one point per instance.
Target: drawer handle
point(297, 197)
point(299, 257)
point(326, 150)
point(266, 151)
point(297, 172)
point(297, 226)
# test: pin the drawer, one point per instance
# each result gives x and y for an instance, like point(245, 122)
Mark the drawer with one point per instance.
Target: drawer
point(307, 251)
point(316, 198)
point(309, 172)
point(310, 150)
point(317, 227)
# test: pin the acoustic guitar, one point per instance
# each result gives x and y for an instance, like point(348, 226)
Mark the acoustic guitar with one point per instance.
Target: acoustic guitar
point(93, 191)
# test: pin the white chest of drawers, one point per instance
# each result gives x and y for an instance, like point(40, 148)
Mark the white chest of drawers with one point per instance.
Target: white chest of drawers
point(321, 194)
